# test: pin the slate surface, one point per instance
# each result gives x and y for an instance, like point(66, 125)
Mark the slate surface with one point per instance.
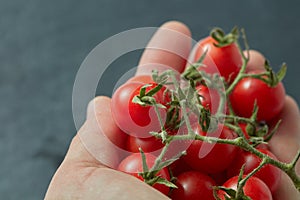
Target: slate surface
point(42, 44)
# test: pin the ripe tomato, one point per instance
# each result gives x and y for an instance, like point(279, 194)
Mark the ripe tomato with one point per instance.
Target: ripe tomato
point(178, 167)
point(210, 98)
point(270, 100)
point(133, 118)
point(149, 144)
point(270, 174)
point(219, 178)
point(225, 60)
point(211, 157)
point(193, 185)
point(140, 114)
point(133, 165)
point(254, 188)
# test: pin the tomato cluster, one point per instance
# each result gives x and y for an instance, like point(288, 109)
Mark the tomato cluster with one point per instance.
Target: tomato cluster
point(143, 106)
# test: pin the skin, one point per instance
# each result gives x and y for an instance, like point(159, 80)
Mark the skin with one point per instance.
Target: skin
point(82, 176)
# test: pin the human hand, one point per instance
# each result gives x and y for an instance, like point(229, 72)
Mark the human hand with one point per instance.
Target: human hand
point(82, 175)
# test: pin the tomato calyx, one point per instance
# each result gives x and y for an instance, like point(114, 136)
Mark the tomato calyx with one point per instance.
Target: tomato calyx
point(230, 192)
point(150, 175)
point(146, 98)
point(269, 76)
point(224, 39)
point(274, 78)
point(234, 194)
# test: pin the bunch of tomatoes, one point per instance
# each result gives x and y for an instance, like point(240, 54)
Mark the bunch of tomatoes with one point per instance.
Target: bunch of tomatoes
point(166, 125)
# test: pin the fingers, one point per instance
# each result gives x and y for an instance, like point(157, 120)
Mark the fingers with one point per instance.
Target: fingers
point(169, 47)
point(286, 190)
point(256, 61)
point(98, 139)
point(286, 142)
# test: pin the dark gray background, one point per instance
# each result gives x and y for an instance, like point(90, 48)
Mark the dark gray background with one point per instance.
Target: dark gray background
point(42, 44)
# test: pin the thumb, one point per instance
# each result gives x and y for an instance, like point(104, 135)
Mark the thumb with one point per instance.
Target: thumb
point(99, 141)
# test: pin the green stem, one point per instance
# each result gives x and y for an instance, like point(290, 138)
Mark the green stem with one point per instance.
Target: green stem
point(222, 102)
point(288, 168)
point(242, 183)
point(160, 157)
point(241, 73)
point(161, 123)
point(182, 102)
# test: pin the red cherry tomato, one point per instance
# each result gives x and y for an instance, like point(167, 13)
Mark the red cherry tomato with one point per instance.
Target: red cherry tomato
point(140, 114)
point(254, 188)
point(270, 100)
point(193, 185)
point(134, 118)
point(119, 105)
point(149, 144)
point(219, 178)
point(224, 60)
point(179, 166)
point(270, 174)
point(211, 158)
point(133, 165)
point(210, 98)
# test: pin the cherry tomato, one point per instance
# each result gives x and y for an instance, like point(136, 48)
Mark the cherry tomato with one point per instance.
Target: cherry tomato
point(133, 165)
point(210, 98)
point(270, 100)
point(179, 166)
point(140, 114)
point(193, 185)
point(211, 157)
point(270, 174)
point(219, 178)
point(254, 188)
point(225, 60)
point(133, 118)
point(149, 144)
point(119, 105)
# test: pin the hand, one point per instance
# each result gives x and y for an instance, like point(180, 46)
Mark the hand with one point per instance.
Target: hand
point(82, 176)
